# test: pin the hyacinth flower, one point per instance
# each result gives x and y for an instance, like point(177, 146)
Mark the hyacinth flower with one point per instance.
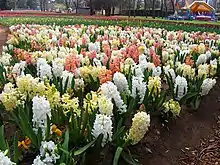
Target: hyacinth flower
point(73, 90)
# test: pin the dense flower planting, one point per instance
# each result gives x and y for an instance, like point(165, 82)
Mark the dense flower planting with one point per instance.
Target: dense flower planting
point(49, 18)
point(77, 88)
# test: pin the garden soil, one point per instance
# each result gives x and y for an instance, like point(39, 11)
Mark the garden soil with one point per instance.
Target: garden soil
point(192, 139)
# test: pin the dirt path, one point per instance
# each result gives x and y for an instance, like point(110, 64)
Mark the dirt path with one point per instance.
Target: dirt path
point(185, 136)
point(3, 36)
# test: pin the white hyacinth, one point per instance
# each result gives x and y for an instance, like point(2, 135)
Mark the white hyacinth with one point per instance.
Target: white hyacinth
point(180, 88)
point(79, 84)
point(207, 85)
point(43, 69)
point(4, 160)
point(57, 67)
point(143, 62)
point(201, 59)
point(18, 68)
point(97, 62)
point(67, 75)
point(170, 72)
point(110, 91)
point(138, 71)
point(121, 82)
point(139, 88)
point(38, 161)
point(41, 109)
point(150, 66)
point(5, 59)
point(208, 54)
point(94, 47)
point(156, 71)
point(48, 154)
point(103, 125)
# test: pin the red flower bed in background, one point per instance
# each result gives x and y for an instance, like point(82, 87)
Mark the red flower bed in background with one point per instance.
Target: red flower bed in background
point(20, 13)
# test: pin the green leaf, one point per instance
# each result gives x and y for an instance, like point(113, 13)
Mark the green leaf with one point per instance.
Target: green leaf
point(3, 144)
point(72, 83)
point(64, 151)
point(47, 133)
point(66, 85)
point(129, 159)
point(26, 128)
point(66, 140)
point(83, 149)
point(188, 96)
point(65, 146)
point(117, 155)
point(118, 133)
point(16, 151)
point(131, 106)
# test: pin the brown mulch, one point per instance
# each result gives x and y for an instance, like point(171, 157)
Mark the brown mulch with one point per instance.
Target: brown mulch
point(171, 145)
point(208, 153)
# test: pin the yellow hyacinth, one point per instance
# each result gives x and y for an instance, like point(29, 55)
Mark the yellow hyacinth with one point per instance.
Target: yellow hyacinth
point(70, 104)
point(154, 84)
point(140, 124)
point(173, 107)
point(53, 96)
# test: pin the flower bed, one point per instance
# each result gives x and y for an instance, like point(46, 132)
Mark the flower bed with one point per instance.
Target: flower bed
point(61, 20)
point(75, 90)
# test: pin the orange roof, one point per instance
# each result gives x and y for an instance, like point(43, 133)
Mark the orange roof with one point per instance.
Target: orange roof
point(200, 6)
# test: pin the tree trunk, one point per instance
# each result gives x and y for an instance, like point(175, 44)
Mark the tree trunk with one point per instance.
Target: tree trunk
point(145, 7)
point(113, 7)
point(173, 5)
point(161, 8)
point(165, 4)
point(153, 8)
point(91, 7)
point(134, 9)
point(120, 10)
point(129, 8)
point(41, 5)
point(67, 4)
point(77, 6)
point(113, 10)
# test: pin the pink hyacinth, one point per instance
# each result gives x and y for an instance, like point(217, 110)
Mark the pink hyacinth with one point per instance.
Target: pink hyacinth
point(115, 65)
point(132, 51)
point(28, 58)
point(84, 41)
point(107, 50)
point(92, 55)
point(156, 58)
point(72, 62)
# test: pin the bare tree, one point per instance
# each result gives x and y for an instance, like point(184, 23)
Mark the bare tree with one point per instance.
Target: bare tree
point(129, 8)
point(161, 8)
point(153, 8)
point(166, 11)
point(145, 7)
point(173, 5)
point(43, 5)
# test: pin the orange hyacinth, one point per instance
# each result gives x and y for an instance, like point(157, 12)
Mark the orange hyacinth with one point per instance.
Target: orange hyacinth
point(25, 143)
point(189, 61)
point(55, 130)
point(105, 76)
point(115, 65)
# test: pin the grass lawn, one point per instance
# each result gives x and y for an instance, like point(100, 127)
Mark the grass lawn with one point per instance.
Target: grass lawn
point(114, 20)
point(161, 19)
